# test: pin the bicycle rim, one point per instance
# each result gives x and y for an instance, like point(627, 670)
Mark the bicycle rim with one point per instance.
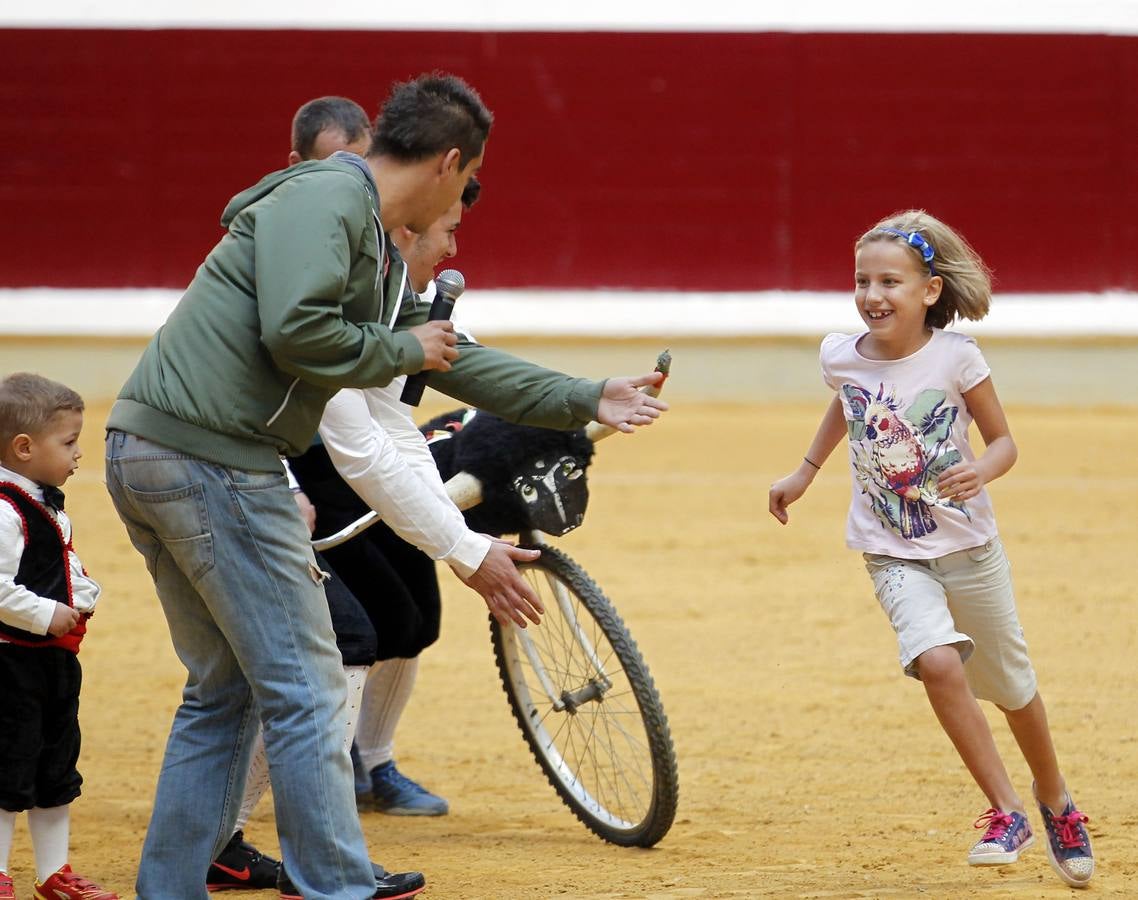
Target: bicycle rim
point(588, 708)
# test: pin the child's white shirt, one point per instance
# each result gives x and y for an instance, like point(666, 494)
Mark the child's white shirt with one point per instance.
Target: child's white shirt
point(20, 607)
point(907, 422)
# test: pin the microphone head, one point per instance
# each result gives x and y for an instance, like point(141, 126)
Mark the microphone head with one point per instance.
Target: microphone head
point(450, 283)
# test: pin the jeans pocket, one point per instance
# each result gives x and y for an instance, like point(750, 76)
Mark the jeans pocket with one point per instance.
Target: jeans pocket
point(180, 520)
point(245, 480)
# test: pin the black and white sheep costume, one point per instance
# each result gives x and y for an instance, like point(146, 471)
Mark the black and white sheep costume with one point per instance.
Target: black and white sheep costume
point(532, 478)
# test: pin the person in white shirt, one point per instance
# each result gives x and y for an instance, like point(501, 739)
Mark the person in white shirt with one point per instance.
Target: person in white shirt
point(373, 451)
point(46, 598)
point(906, 393)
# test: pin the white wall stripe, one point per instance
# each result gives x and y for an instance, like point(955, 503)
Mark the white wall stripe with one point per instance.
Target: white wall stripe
point(600, 313)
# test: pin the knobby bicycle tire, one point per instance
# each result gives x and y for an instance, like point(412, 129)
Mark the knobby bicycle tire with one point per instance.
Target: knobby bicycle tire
point(607, 750)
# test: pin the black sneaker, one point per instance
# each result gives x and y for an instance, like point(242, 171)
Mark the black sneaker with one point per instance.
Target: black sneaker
point(388, 885)
point(241, 866)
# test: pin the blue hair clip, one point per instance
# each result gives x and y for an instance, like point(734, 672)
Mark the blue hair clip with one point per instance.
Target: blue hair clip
point(914, 239)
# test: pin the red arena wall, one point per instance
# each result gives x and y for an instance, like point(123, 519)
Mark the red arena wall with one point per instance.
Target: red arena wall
point(709, 161)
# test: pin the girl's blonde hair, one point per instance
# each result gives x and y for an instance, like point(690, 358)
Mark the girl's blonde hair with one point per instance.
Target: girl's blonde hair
point(967, 290)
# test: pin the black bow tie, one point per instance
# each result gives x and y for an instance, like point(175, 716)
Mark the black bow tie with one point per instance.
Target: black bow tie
point(52, 496)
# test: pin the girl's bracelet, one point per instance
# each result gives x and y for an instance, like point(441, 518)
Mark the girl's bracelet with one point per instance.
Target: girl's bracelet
point(811, 462)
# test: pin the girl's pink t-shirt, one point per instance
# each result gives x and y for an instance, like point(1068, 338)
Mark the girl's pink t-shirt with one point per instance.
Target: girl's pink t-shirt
point(907, 422)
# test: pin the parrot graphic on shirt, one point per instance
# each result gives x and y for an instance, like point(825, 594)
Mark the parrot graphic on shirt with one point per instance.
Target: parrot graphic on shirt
point(895, 449)
point(899, 453)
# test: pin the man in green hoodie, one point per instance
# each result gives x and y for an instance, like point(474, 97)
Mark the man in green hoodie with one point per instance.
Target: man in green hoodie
point(295, 302)
point(285, 310)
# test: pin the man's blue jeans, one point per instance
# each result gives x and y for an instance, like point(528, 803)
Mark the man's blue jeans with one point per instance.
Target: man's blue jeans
point(230, 559)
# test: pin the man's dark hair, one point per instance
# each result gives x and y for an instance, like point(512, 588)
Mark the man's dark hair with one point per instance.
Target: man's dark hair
point(470, 193)
point(430, 115)
point(325, 113)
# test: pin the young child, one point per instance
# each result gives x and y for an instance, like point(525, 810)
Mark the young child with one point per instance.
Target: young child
point(45, 601)
point(906, 392)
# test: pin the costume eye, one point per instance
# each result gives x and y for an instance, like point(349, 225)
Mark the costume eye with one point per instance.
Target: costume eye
point(883, 425)
point(528, 492)
point(570, 469)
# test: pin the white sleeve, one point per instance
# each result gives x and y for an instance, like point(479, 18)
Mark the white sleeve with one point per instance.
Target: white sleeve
point(84, 589)
point(973, 367)
point(19, 607)
point(377, 450)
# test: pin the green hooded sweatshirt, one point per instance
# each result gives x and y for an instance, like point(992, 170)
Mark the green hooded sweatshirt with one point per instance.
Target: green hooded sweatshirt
point(290, 306)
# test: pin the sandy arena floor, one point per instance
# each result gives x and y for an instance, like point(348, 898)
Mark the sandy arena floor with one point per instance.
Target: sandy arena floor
point(809, 767)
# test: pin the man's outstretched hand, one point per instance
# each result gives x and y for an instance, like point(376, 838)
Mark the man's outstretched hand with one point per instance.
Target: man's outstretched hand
point(625, 407)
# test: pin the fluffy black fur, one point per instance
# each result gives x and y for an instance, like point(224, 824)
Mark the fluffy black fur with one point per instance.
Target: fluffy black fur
point(494, 450)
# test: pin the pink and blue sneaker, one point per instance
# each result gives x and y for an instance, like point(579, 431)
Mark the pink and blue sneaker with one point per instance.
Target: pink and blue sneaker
point(1068, 844)
point(1007, 835)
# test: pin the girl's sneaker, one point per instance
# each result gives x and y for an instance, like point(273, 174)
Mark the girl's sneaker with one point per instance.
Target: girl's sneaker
point(1068, 844)
point(1007, 835)
point(7, 889)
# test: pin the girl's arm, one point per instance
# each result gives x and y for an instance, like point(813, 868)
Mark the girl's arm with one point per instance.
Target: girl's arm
point(965, 480)
point(830, 432)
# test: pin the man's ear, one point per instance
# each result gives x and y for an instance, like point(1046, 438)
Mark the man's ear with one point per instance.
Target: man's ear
point(22, 447)
point(449, 162)
point(293, 157)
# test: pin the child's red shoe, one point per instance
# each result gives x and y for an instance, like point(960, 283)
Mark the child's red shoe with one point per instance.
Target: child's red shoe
point(66, 885)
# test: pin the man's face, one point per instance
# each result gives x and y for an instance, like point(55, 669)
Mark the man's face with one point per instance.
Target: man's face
point(424, 252)
point(450, 182)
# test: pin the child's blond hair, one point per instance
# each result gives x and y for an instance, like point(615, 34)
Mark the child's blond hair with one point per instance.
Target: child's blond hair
point(967, 290)
point(29, 402)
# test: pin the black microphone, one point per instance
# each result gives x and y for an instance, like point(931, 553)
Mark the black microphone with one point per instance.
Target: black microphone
point(449, 285)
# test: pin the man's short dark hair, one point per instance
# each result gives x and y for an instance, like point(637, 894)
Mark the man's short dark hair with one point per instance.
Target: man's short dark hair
point(470, 193)
point(323, 113)
point(430, 115)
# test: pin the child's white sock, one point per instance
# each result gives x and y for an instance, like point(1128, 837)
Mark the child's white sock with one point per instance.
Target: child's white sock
point(7, 833)
point(50, 828)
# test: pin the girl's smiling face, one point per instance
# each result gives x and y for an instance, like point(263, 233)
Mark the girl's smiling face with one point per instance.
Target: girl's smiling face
point(892, 292)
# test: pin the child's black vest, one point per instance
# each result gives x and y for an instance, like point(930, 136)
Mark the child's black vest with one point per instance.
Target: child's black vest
point(44, 568)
